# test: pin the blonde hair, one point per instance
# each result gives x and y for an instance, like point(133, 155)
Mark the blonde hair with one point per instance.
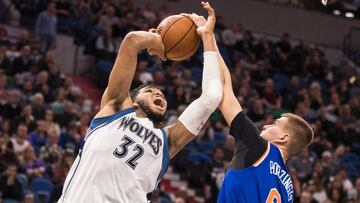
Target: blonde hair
point(301, 134)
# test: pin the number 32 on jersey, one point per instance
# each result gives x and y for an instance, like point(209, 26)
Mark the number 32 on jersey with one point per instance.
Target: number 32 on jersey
point(123, 149)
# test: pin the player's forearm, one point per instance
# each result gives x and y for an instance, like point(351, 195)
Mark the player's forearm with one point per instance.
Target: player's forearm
point(229, 105)
point(197, 113)
point(212, 79)
point(226, 78)
point(211, 83)
point(126, 59)
point(125, 65)
point(208, 42)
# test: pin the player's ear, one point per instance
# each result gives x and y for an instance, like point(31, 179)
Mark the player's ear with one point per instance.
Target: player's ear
point(285, 138)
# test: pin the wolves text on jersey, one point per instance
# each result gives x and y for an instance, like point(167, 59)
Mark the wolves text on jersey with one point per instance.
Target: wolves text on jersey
point(142, 132)
point(284, 177)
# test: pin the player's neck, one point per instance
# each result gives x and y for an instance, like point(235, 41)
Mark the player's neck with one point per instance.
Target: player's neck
point(282, 149)
point(140, 113)
point(283, 154)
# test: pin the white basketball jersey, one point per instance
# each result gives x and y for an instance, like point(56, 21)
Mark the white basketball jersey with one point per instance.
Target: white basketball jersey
point(122, 159)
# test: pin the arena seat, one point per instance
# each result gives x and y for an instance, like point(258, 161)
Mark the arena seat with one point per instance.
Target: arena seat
point(42, 189)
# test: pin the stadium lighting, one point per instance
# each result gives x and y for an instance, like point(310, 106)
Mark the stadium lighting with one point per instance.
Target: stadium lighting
point(349, 15)
point(336, 12)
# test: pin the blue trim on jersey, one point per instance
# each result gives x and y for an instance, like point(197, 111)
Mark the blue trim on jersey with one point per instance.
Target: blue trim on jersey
point(108, 119)
point(71, 178)
point(95, 124)
point(166, 155)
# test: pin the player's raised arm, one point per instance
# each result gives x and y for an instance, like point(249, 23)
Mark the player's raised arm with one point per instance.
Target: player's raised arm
point(122, 74)
point(229, 105)
point(196, 114)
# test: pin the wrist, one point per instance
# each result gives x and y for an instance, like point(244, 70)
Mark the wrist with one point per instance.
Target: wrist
point(206, 34)
point(208, 42)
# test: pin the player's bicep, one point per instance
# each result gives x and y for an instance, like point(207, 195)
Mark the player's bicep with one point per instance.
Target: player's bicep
point(104, 99)
point(242, 128)
point(178, 137)
point(246, 155)
point(250, 145)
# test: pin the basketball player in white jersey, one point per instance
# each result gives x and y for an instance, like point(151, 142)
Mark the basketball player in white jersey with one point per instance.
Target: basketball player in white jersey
point(125, 154)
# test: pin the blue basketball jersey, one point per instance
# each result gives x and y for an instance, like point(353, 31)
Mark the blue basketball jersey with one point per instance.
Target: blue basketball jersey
point(267, 181)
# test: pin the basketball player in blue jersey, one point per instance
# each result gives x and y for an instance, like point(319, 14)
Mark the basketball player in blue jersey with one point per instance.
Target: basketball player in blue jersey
point(257, 171)
point(125, 153)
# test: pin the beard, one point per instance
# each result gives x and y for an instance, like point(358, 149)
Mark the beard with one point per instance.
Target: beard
point(157, 118)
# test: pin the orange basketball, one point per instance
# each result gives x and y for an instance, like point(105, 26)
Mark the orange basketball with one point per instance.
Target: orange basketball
point(179, 36)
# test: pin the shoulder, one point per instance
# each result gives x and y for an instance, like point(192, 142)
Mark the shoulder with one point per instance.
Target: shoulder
point(264, 155)
point(112, 106)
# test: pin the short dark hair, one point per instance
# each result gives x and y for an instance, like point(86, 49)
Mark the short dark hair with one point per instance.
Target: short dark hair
point(301, 134)
point(134, 92)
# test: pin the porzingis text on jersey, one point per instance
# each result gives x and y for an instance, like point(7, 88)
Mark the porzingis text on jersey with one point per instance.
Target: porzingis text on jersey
point(284, 177)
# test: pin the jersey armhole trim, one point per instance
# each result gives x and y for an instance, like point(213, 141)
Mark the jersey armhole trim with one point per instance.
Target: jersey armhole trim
point(263, 156)
point(166, 157)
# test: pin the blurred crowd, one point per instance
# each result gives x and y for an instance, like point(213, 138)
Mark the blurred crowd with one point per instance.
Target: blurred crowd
point(343, 5)
point(43, 118)
point(44, 115)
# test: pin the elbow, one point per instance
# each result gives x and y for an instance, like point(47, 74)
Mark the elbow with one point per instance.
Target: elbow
point(130, 36)
point(130, 39)
point(213, 96)
point(216, 98)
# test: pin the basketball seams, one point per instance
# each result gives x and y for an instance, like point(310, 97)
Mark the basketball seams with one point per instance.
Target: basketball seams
point(169, 26)
point(190, 50)
point(181, 37)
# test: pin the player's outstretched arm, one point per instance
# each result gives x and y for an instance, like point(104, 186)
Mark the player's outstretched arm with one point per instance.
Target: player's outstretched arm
point(122, 74)
point(229, 105)
point(196, 114)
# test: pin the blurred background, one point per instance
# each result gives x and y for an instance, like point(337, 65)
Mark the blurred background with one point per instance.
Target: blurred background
point(284, 56)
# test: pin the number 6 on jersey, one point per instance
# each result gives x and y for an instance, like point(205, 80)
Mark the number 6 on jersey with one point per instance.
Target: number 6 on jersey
point(273, 194)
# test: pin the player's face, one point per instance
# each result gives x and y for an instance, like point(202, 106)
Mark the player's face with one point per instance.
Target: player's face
point(152, 101)
point(275, 131)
